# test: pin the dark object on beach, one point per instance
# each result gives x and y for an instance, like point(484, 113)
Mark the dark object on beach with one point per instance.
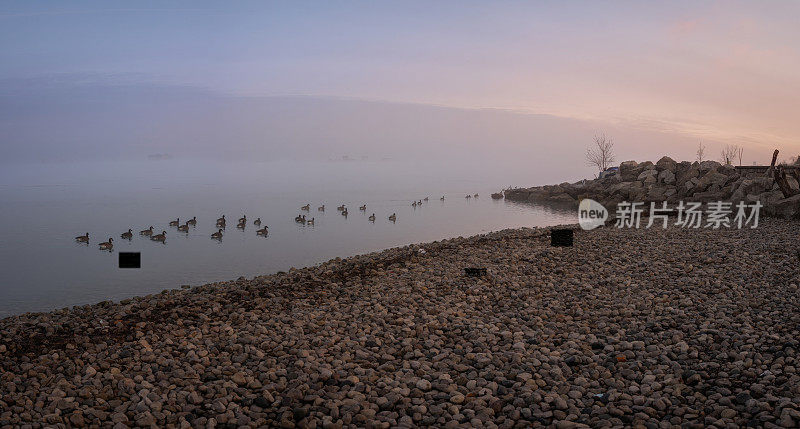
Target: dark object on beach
point(561, 237)
point(130, 260)
point(783, 182)
point(772, 164)
point(601, 397)
point(475, 272)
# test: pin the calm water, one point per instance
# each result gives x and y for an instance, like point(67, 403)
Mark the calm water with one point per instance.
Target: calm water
point(45, 206)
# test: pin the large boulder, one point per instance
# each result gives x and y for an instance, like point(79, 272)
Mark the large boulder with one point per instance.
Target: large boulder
point(666, 163)
point(517, 194)
point(727, 169)
point(686, 173)
point(625, 189)
point(660, 193)
point(646, 165)
point(767, 198)
point(642, 167)
point(793, 185)
point(738, 192)
point(563, 198)
point(756, 185)
point(707, 166)
point(788, 208)
point(711, 178)
point(666, 177)
point(627, 171)
point(648, 176)
point(732, 179)
point(690, 185)
point(536, 194)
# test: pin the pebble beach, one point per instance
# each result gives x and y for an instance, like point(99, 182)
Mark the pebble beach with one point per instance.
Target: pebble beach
point(628, 328)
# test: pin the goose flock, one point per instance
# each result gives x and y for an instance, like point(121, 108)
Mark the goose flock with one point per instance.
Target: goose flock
point(240, 224)
point(162, 237)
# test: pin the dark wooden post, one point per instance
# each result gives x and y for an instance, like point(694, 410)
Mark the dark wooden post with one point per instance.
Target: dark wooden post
point(772, 165)
point(780, 178)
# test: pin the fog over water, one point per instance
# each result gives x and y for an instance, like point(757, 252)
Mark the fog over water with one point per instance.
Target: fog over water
point(74, 118)
point(86, 156)
point(45, 206)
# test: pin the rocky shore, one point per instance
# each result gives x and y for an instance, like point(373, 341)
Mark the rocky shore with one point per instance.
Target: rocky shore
point(670, 181)
point(647, 327)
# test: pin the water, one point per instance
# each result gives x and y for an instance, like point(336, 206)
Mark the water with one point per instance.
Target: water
point(44, 207)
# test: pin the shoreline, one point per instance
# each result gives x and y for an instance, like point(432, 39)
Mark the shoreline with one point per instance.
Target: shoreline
point(626, 327)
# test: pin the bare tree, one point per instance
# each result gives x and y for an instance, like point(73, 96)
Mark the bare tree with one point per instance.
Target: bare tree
point(601, 154)
point(739, 152)
point(701, 150)
point(729, 153)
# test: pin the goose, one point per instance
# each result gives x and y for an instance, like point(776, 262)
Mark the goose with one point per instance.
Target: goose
point(147, 232)
point(127, 235)
point(393, 217)
point(476, 195)
point(441, 199)
point(82, 238)
point(300, 218)
point(310, 221)
point(372, 218)
point(243, 219)
point(363, 208)
point(321, 208)
point(192, 221)
point(160, 237)
point(241, 224)
point(425, 199)
point(263, 231)
point(221, 220)
point(306, 207)
point(419, 203)
point(303, 219)
point(257, 222)
point(217, 235)
point(414, 204)
point(184, 227)
point(107, 245)
point(344, 212)
point(468, 196)
point(175, 222)
point(340, 208)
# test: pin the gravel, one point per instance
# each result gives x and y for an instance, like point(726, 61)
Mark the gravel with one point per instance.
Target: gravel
point(650, 327)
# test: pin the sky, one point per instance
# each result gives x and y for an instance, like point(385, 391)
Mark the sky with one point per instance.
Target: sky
point(721, 72)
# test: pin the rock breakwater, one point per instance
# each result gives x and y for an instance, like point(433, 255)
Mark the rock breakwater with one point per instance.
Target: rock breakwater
point(670, 181)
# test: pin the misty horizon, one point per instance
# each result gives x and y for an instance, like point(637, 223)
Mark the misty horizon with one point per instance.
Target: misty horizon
point(71, 119)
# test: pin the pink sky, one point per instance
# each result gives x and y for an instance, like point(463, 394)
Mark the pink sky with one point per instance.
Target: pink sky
point(721, 72)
